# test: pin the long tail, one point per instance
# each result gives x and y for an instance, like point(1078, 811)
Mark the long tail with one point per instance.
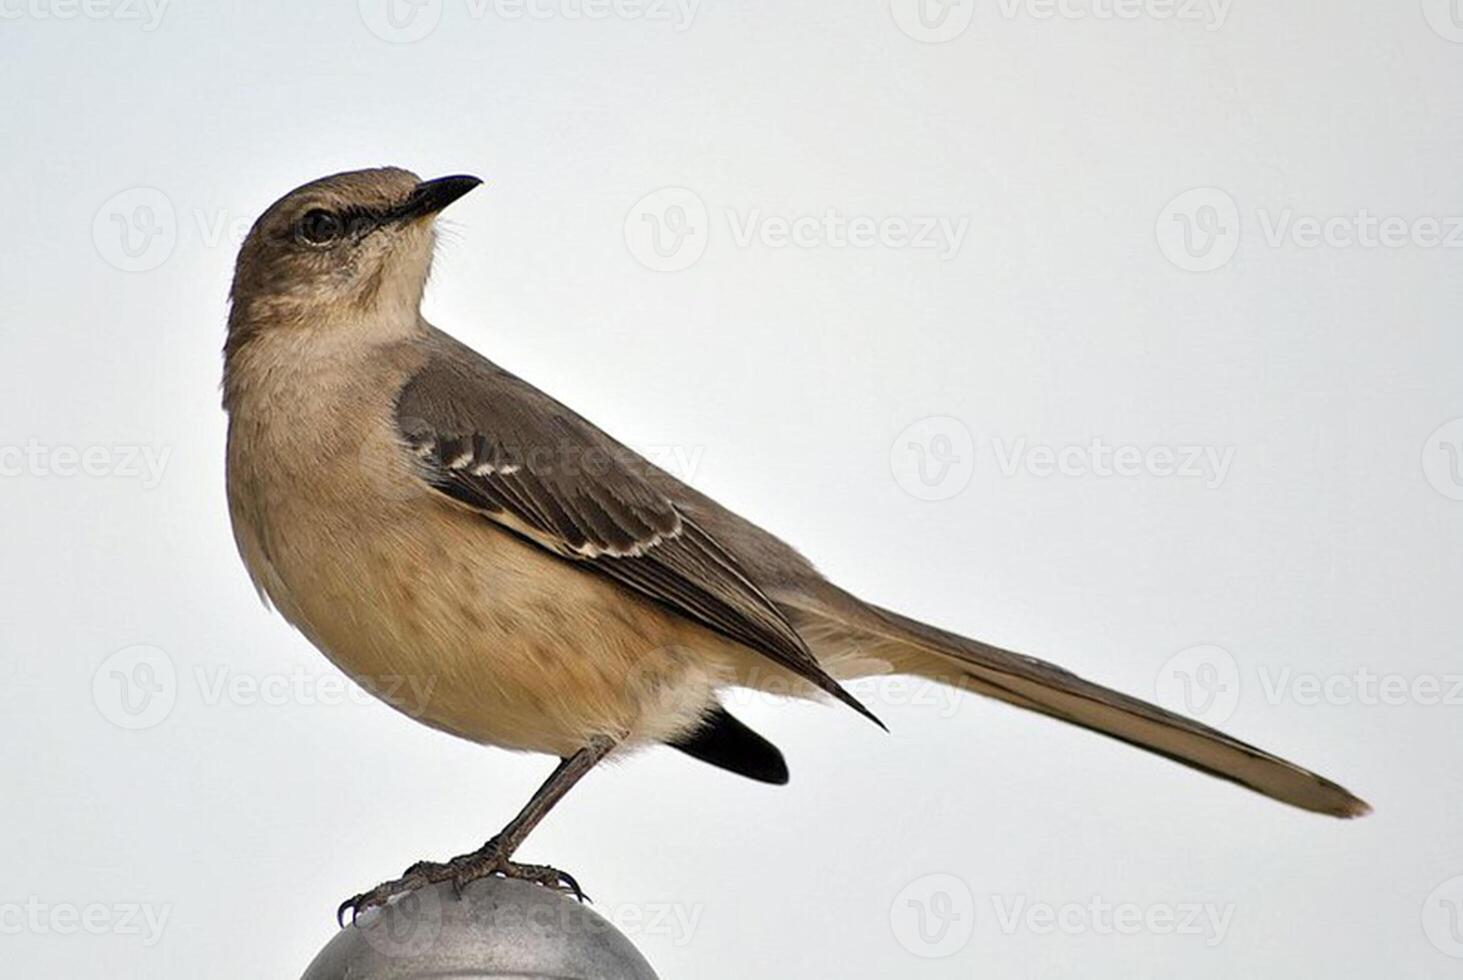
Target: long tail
point(910, 646)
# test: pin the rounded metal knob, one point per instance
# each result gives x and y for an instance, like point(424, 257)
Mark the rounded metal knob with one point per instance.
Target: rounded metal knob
point(496, 928)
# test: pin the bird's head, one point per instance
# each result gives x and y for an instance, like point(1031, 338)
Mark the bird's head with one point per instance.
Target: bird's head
point(352, 245)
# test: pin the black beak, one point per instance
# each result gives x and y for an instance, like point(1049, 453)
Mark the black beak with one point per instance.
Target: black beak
point(431, 196)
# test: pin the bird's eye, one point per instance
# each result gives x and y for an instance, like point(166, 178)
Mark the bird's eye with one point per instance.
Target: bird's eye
point(321, 227)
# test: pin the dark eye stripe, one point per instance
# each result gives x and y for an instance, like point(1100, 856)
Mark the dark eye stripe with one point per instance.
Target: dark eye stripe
point(361, 221)
point(322, 226)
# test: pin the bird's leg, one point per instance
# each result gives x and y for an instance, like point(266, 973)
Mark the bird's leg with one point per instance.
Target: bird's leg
point(492, 857)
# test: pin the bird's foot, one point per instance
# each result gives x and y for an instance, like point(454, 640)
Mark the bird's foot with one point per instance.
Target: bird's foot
point(488, 860)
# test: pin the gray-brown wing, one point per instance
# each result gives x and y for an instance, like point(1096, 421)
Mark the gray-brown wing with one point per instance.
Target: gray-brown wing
point(492, 442)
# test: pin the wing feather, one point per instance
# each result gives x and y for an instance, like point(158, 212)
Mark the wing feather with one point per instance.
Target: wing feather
point(487, 440)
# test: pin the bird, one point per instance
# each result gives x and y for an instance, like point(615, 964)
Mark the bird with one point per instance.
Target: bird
point(417, 511)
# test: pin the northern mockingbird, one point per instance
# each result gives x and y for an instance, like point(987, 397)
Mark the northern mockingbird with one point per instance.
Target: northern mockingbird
point(417, 511)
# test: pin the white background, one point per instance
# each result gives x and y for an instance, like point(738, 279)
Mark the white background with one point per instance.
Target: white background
point(1329, 550)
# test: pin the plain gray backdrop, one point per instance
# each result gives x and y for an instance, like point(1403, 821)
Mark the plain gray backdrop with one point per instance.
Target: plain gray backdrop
point(1120, 332)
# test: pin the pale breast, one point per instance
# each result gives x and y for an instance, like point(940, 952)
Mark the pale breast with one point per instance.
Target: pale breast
point(447, 617)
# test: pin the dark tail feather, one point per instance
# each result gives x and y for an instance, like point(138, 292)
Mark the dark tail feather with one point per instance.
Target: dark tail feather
point(725, 742)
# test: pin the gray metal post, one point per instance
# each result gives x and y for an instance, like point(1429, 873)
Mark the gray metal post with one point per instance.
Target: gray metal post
point(498, 928)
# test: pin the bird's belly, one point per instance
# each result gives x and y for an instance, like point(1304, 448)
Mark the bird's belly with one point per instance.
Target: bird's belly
point(471, 630)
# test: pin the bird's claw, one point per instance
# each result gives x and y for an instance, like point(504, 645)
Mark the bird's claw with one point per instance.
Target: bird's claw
point(417, 876)
point(461, 871)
